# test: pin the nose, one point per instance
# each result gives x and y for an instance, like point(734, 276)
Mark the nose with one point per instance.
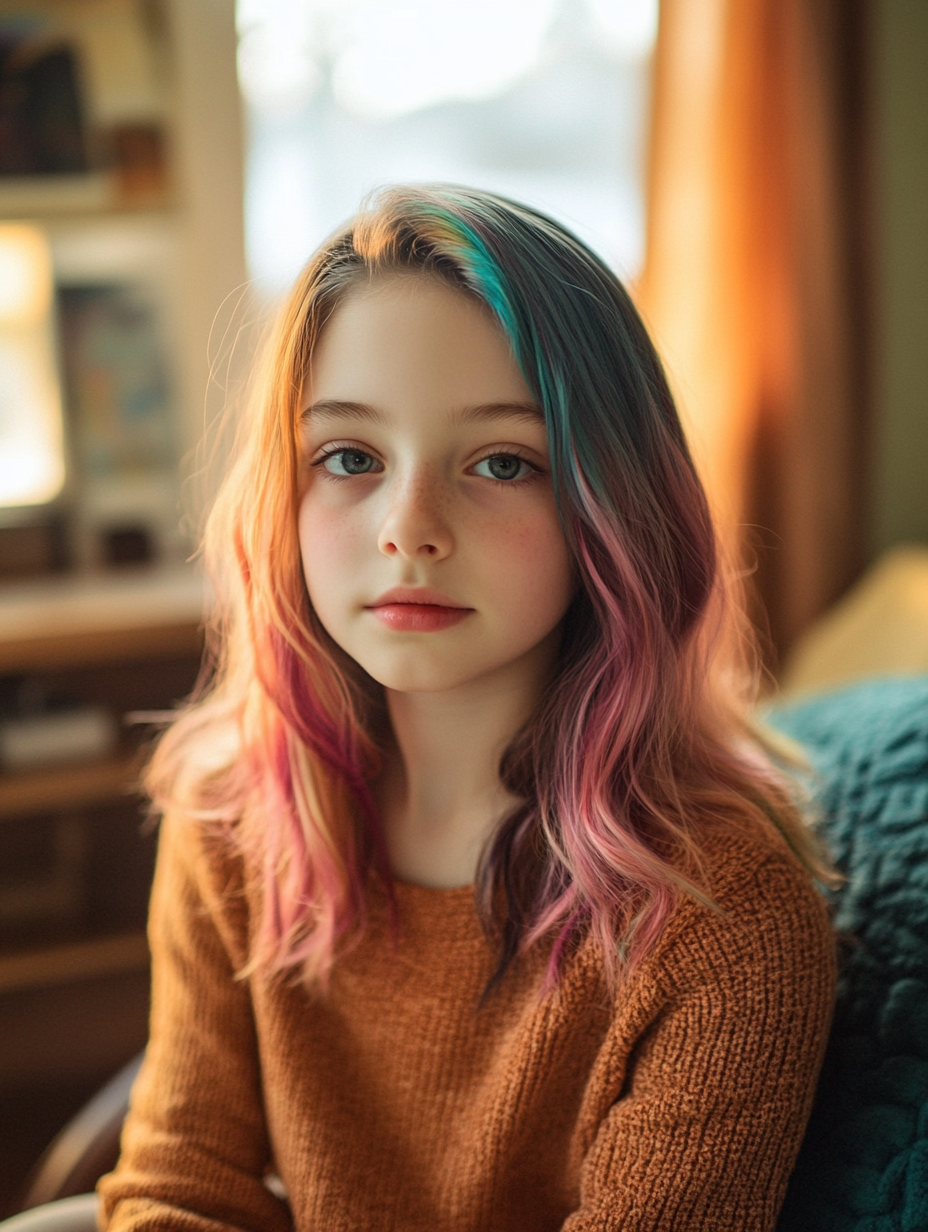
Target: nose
point(416, 524)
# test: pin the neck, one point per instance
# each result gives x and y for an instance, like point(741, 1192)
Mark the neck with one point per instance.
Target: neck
point(442, 796)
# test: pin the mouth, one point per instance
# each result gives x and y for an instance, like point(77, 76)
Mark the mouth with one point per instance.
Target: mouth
point(415, 609)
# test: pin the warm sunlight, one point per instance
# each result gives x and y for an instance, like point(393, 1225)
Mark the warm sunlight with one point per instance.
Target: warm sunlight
point(31, 448)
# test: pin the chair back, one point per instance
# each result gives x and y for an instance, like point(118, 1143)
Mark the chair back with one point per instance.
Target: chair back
point(87, 1147)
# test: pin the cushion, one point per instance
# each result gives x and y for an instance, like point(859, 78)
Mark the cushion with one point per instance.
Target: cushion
point(863, 1166)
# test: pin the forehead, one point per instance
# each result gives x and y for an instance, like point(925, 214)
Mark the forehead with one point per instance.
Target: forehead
point(411, 336)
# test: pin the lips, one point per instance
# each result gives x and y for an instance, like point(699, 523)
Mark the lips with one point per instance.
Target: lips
point(408, 609)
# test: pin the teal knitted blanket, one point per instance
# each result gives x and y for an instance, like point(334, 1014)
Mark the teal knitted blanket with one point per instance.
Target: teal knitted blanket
point(863, 1166)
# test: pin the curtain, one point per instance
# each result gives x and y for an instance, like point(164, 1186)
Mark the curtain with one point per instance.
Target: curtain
point(755, 282)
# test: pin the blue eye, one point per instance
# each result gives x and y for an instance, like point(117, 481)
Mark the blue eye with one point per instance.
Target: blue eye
point(503, 466)
point(350, 462)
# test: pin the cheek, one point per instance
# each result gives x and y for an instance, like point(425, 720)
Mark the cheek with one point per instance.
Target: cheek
point(532, 567)
point(329, 542)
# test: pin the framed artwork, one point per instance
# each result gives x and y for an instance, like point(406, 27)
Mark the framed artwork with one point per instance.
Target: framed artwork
point(116, 382)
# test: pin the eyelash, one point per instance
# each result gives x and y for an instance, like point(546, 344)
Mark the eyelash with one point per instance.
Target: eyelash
point(334, 450)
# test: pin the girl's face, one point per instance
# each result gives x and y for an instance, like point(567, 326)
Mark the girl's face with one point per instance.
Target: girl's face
point(431, 546)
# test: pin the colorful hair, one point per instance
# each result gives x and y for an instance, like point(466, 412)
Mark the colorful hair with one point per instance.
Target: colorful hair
point(639, 746)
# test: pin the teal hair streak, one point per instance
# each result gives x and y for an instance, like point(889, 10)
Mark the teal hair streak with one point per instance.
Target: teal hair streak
point(573, 452)
point(489, 282)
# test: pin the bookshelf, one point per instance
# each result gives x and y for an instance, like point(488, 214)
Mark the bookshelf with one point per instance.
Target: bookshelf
point(124, 644)
point(74, 961)
point(157, 206)
point(151, 224)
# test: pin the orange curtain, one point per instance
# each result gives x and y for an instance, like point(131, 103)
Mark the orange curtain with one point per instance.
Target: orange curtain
point(754, 280)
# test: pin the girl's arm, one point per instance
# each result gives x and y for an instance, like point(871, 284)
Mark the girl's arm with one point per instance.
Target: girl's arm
point(718, 1089)
point(195, 1146)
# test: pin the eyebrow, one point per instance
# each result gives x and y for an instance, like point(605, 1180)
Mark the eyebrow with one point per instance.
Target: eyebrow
point(482, 412)
point(333, 409)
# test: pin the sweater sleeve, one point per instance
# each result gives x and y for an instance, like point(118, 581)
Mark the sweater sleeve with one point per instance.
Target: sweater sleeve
point(195, 1146)
point(720, 1083)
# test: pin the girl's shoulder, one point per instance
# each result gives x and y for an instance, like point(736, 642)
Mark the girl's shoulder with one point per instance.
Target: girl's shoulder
point(733, 855)
point(763, 916)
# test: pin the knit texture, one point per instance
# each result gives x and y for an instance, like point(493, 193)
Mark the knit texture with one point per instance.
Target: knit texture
point(399, 1101)
point(864, 1164)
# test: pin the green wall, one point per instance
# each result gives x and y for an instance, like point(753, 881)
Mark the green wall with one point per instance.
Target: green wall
point(900, 100)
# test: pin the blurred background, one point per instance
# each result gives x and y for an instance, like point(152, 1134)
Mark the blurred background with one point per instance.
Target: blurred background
point(756, 170)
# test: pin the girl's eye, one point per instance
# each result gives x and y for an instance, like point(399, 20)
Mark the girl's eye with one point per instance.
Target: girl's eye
point(349, 462)
point(504, 466)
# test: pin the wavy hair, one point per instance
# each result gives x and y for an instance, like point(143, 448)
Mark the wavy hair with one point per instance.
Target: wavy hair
point(640, 744)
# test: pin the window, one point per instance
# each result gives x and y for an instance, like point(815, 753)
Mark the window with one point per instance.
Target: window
point(541, 100)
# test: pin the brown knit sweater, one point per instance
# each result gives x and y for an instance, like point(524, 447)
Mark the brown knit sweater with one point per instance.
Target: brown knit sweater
point(395, 1102)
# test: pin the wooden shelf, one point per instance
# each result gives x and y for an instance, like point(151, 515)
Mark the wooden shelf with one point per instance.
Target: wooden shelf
point(68, 786)
point(93, 195)
point(79, 649)
point(82, 960)
point(44, 195)
point(71, 622)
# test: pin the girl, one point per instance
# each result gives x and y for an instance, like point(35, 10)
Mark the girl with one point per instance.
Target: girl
point(477, 907)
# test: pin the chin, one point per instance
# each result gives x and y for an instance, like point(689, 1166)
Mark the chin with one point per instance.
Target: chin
point(413, 673)
point(419, 681)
